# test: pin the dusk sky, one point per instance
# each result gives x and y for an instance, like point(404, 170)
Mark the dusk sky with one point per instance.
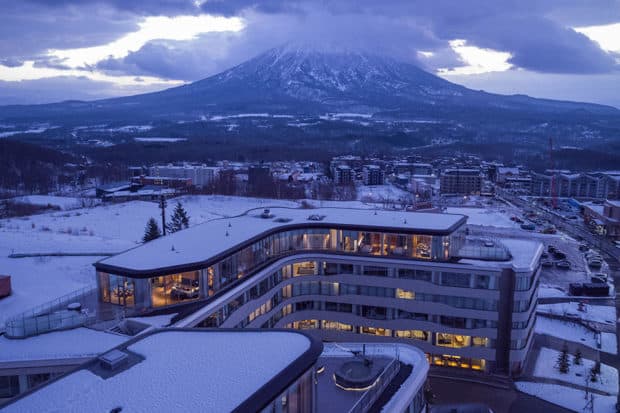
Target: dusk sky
point(52, 50)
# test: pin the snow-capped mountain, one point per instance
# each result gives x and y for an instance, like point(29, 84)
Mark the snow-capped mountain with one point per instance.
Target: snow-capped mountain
point(303, 81)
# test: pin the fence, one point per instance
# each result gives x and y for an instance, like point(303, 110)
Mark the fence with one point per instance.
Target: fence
point(371, 395)
point(54, 315)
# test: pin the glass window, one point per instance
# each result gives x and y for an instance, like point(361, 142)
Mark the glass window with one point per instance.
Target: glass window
point(452, 340)
point(175, 288)
point(454, 279)
point(405, 294)
point(9, 386)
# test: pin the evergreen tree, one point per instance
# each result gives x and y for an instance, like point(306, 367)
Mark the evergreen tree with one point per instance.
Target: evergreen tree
point(152, 230)
point(577, 358)
point(563, 362)
point(179, 219)
point(593, 374)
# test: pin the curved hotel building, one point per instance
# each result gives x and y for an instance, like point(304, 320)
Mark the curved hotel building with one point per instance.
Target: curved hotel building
point(343, 275)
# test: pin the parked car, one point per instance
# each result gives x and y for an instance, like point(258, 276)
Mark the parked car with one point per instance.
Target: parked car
point(181, 291)
point(547, 263)
point(551, 249)
point(595, 263)
point(528, 227)
point(544, 255)
point(488, 243)
point(559, 255)
point(565, 265)
point(600, 276)
point(593, 255)
point(584, 247)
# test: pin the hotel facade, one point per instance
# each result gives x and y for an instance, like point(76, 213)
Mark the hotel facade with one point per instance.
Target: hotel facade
point(343, 275)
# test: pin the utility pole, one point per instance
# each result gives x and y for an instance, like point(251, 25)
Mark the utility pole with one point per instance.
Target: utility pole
point(162, 206)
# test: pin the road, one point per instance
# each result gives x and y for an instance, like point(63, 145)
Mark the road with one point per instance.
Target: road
point(571, 227)
point(609, 251)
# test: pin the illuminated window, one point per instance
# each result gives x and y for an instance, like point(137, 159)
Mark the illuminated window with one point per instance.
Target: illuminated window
point(376, 331)
point(334, 325)
point(414, 334)
point(452, 340)
point(480, 341)
point(408, 295)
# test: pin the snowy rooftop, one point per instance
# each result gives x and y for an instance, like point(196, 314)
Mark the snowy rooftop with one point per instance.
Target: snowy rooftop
point(69, 344)
point(190, 370)
point(524, 255)
point(199, 243)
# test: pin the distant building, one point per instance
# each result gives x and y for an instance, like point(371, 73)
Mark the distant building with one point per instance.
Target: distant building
point(137, 171)
point(461, 182)
point(413, 168)
point(604, 219)
point(503, 173)
point(575, 185)
point(355, 162)
point(200, 175)
point(373, 175)
point(343, 175)
point(260, 181)
point(165, 181)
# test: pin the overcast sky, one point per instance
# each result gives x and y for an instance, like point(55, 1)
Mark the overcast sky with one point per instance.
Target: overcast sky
point(53, 50)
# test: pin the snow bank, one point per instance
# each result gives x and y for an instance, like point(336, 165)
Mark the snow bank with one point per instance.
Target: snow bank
point(567, 397)
point(574, 332)
point(578, 374)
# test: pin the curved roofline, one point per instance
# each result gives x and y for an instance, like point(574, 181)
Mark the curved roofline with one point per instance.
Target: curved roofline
point(258, 400)
point(196, 265)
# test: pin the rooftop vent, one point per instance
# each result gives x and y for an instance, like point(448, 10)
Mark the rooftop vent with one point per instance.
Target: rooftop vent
point(315, 217)
point(113, 360)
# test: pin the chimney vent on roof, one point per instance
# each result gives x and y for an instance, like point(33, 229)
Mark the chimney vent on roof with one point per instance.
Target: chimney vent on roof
point(113, 360)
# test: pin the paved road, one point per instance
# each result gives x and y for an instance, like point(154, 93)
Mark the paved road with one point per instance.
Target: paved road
point(571, 227)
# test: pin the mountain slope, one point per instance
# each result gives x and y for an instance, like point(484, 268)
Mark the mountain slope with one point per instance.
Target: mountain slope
point(298, 81)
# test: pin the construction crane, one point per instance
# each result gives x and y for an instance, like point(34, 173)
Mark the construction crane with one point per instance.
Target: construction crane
point(552, 188)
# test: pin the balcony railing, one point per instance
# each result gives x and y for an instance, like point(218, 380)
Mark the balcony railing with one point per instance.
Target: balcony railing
point(371, 395)
point(56, 314)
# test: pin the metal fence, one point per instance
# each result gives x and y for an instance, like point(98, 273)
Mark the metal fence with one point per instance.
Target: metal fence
point(371, 395)
point(54, 315)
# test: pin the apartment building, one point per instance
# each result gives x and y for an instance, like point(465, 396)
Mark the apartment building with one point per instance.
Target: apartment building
point(461, 182)
point(344, 275)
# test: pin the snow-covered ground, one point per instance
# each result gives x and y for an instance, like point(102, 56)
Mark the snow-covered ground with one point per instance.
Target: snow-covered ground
point(597, 313)
point(550, 291)
point(546, 367)
point(379, 193)
point(35, 281)
point(574, 332)
point(61, 202)
point(567, 397)
point(104, 228)
point(491, 217)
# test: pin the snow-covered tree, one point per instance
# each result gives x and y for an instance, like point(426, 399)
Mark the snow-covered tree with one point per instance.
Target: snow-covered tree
point(563, 361)
point(577, 358)
point(151, 231)
point(179, 219)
